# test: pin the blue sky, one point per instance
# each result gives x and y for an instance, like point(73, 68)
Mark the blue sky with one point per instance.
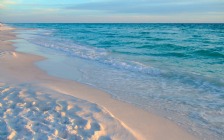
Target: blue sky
point(112, 10)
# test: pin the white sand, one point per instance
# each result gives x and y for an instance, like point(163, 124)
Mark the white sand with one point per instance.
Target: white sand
point(28, 112)
point(67, 109)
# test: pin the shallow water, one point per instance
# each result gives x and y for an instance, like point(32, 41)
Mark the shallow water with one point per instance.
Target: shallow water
point(175, 70)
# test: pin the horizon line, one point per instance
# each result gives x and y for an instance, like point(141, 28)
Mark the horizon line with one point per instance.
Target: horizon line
point(113, 22)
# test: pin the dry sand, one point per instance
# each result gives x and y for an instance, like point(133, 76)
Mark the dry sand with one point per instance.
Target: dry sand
point(17, 71)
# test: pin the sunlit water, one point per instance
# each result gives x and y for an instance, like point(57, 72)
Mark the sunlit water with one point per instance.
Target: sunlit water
point(174, 70)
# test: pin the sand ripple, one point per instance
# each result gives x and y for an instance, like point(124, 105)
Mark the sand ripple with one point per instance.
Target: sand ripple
point(27, 112)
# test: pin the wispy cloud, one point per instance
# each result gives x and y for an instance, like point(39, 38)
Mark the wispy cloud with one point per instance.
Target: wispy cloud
point(8, 2)
point(112, 10)
point(150, 7)
point(2, 6)
point(5, 3)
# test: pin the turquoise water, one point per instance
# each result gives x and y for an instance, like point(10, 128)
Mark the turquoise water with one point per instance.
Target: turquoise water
point(174, 70)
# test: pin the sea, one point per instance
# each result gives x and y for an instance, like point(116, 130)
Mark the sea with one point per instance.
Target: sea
point(173, 70)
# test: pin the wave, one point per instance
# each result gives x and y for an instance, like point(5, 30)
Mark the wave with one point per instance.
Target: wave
point(171, 54)
point(209, 53)
point(92, 53)
point(104, 56)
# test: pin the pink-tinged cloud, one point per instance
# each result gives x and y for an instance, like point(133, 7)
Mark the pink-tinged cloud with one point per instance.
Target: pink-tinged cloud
point(112, 11)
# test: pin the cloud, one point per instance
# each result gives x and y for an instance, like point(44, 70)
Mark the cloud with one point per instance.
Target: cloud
point(112, 10)
point(2, 6)
point(8, 2)
point(151, 6)
point(5, 3)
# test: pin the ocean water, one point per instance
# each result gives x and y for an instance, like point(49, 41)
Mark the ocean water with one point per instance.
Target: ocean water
point(173, 70)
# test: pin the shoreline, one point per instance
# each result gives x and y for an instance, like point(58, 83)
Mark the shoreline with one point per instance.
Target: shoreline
point(20, 68)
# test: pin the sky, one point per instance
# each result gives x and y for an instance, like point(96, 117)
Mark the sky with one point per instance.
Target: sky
point(112, 11)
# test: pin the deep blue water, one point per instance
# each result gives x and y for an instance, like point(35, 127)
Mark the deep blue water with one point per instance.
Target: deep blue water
point(174, 70)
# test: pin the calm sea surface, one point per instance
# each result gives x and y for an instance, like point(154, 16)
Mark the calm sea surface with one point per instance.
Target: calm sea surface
point(174, 70)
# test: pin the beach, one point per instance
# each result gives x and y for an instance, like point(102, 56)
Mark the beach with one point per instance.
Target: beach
point(37, 105)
